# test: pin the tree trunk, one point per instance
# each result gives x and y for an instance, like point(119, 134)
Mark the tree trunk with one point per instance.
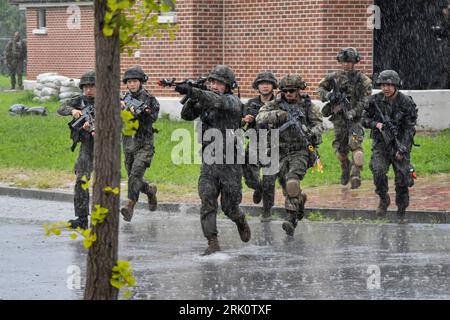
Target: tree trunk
point(103, 254)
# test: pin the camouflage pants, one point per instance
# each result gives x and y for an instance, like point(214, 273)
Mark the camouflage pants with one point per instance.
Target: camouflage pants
point(252, 180)
point(83, 170)
point(348, 138)
point(16, 70)
point(379, 165)
point(138, 157)
point(224, 180)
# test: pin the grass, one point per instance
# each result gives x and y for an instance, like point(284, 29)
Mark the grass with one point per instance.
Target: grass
point(40, 146)
point(5, 82)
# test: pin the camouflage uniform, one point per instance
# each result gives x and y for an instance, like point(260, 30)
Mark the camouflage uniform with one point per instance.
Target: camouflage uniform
point(295, 156)
point(85, 161)
point(403, 113)
point(348, 131)
point(266, 187)
point(15, 55)
point(138, 149)
point(220, 112)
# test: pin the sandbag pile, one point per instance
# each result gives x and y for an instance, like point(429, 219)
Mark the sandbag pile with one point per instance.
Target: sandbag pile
point(54, 85)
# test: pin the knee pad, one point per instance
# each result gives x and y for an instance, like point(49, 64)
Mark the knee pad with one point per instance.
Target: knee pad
point(341, 157)
point(358, 158)
point(293, 188)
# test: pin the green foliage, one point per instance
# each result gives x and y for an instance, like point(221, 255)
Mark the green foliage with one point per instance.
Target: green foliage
point(318, 216)
point(122, 275)
point(130, 19)
point(98, 215)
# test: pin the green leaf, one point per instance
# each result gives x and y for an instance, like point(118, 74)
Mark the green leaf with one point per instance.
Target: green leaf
point(127, 294)
point(117, 284)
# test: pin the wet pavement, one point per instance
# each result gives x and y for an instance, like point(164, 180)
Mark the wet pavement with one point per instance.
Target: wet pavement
point(324, 260)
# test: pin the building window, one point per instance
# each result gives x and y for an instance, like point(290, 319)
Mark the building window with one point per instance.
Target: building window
point(170, 16)
point(41, 22)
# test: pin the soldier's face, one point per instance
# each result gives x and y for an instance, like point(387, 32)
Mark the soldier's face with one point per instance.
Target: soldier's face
point(218, 87)
point(290, 94)
point(16, 36)
point(265, 88)
point(133, 85)
point(388, 90)
point(347, 66)
point(89, 90)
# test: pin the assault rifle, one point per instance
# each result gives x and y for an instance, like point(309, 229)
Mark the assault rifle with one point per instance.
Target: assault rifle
point(340, 97)
point(199, 83)
point(76, 125)
point(294, 114)
point(389, 132)
point(136, 104)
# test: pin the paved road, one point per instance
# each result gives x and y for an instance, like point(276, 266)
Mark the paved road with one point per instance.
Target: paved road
point(323, 261)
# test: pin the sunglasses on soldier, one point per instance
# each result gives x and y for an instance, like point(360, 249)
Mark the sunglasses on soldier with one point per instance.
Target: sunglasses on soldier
point(290, 90)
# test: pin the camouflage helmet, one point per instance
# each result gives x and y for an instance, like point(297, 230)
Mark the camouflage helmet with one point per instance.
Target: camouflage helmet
point(293, 81)
point(134, 73)
point(266, 76)
point(348, 55)
point(389, 77)
point(87, 78)
point(223, 74)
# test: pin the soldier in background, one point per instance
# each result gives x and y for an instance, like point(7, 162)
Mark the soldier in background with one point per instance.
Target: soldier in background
point(139, 148)
point(392, 117)
point(219, 110)
point(265, 83)
point(301, 127)
point(346, 92)
point(85, 161)
point(15, 56)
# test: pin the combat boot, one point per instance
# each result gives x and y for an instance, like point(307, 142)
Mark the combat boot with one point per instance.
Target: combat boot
point(301, 206)
point(151, 194)
point(257, 195)
point(127, 211)
point(213, 246)
point(385, 201)
point(81, 222)
point(401, 216)
point(345, 176)
point(243, 228)
point(290, 224)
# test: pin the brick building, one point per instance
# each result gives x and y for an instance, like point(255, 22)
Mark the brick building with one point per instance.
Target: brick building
point(301, 36)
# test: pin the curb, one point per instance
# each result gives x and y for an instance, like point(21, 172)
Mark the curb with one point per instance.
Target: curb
point(413, 216)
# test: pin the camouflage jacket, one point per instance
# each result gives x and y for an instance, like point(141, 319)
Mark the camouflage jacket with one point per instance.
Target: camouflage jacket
point(15, 52)
point(356, 85)
point(252, 107)
point(291, 138)
point(216, 111)
point(403, 113)
point(146, 120)
point(77, 103)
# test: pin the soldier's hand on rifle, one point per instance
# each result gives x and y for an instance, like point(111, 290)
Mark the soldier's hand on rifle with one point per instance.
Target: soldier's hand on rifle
point(249, 118)
point(282, 116)
point(122, 104)
point(86, 126)
point(76, 113)
point(398, 156)
point(183, 88)
point(334, 97)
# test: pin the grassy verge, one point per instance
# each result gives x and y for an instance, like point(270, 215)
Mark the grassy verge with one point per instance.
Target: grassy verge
point(38, 147)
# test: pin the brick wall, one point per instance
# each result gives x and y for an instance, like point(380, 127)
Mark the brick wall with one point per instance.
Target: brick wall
point(250, 36)
point(68, 52)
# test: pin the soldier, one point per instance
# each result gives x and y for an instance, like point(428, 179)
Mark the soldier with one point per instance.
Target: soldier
point(15, 55)
point(218, 110)
point(265, 83)
point(139, 148)
point(347, 91)
point(300, 127)
point(85, 161)
point(392, 117)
